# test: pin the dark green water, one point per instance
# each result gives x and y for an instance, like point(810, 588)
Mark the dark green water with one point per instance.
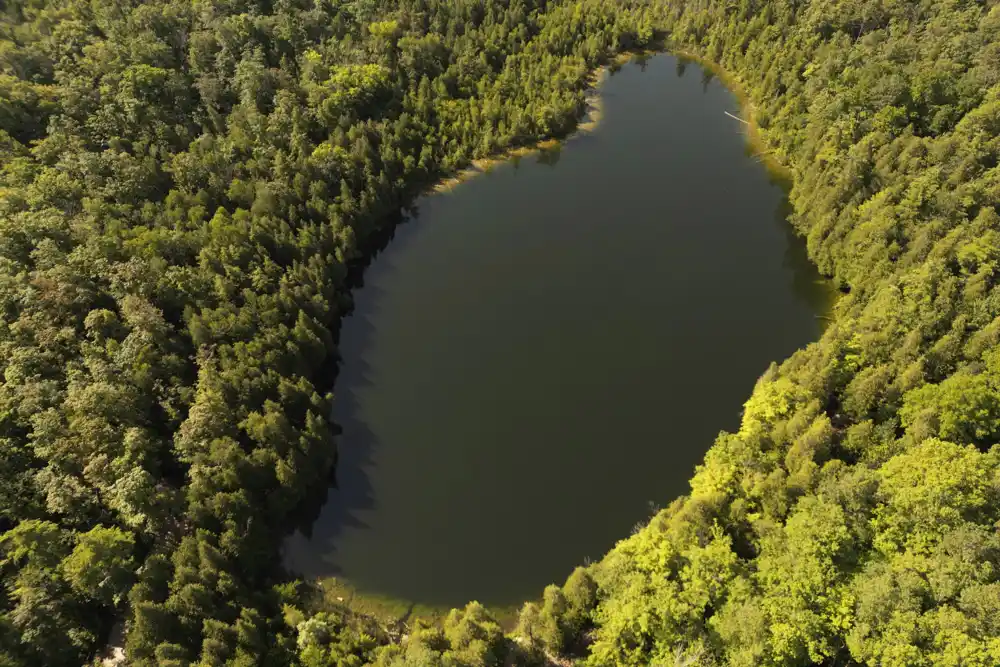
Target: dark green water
point(550, 348)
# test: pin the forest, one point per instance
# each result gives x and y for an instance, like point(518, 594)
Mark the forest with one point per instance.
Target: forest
point(188, 186)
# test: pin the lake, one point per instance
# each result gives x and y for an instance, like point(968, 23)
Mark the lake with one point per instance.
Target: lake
point(547, 351)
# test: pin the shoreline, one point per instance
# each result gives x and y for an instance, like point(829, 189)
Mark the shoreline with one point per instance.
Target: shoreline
point(751, 128)
point(586, 123)
point(767, 156)
point(336, 592)
point(390, 612)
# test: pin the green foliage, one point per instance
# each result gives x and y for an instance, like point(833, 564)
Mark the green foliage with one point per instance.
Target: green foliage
point(471, 637)
point(101, 565)
point(475, 638)
point(322, 640)
point(184, 187)
point(964, 408)
point(183, 190)
point(860, 495)
point(558, 625)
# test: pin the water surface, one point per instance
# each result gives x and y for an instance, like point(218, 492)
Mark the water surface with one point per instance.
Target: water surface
point(550, 348)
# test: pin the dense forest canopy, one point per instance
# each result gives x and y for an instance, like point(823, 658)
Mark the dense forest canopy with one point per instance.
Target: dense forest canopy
point(185, 187)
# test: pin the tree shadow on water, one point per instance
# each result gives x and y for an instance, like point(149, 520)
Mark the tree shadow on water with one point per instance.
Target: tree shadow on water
point(707, 77)
point(549, 156)
point(328, 511)
point(808, 284)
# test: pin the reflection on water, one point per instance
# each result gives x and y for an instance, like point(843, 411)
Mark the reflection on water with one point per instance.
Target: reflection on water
point(549, 155)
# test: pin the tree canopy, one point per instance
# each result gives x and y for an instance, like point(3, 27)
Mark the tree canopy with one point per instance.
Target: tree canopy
point(186, 189)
